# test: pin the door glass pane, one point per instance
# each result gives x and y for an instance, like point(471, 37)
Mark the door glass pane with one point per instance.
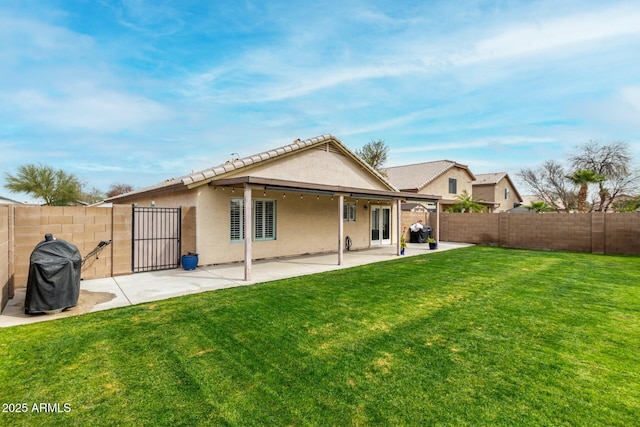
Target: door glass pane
point(375, 224)
point(386, 223)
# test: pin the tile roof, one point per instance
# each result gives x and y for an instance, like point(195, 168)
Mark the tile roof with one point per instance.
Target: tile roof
point(489, 178)
point(415, 177)
point(207, 175)
point(8, 201)
point(236, 164)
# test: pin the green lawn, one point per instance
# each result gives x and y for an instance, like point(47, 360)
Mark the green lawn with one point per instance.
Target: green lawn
point(476, 336)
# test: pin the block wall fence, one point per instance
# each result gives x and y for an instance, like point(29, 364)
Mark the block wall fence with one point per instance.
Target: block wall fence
point(595, 232)
point(23, 227)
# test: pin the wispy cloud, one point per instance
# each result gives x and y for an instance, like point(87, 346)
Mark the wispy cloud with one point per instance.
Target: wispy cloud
point(550, 33)
point(477, 143)
point(29, 39)
point(87, 107)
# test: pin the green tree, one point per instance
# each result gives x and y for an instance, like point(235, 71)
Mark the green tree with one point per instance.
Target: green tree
point(374, 153)
point(583, 178)
point(631, 205)
point(55, 187)
point(466, 203)
point(541, 206)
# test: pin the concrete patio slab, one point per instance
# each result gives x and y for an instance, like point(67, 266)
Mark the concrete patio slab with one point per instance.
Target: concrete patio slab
point(122, 291)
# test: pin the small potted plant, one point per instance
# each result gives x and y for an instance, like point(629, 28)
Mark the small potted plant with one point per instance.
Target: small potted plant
point(190, 261)
point(432, 243)
point(403, 243)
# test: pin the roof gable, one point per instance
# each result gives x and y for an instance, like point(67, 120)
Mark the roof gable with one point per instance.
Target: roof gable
point(261, 164)
point(261, 161)
point(417, 176)
point(489, 178)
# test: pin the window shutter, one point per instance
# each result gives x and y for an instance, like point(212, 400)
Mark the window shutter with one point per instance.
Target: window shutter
point(270, 219)
point(258, 219)
point(236, 219)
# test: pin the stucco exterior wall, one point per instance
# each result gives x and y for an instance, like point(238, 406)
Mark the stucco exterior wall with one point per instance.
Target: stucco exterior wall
point(487, 193)
point(316, 165)
point(505, 204)
point(4, 257)
point(440, 185)
point(495, 193)
point(307, 224)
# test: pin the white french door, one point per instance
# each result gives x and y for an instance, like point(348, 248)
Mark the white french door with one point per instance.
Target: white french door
point(380, 225)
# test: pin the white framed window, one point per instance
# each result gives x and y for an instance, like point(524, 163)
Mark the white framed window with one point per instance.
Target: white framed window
point(349, 212)
point(264, 220)
point(236, 220)
point(506, 194)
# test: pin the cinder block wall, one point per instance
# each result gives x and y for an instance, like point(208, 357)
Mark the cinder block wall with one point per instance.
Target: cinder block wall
point(596, 232)
point(122, 223)
point(561, 232)
point(622, 233)
point(470, 228)
point(82, 226)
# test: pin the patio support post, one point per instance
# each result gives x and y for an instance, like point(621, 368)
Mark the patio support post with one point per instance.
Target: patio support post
point(340, 229)
point(398, 225)
point(437, 221)
point(247, 232)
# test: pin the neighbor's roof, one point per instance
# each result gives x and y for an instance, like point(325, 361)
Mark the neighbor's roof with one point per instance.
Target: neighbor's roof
point(207, 175)
point(495, 178)
point(489, 178)
point(8, 201)
point(417, 176)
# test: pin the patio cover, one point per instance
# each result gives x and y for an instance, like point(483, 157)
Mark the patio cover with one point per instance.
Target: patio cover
point(250, 183)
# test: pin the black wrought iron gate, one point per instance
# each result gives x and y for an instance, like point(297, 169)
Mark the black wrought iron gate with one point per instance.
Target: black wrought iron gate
point(156, 238)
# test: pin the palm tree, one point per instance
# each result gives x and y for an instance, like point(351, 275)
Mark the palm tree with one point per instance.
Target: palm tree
point(540, 207)
point(466, 204)
point(583, 178)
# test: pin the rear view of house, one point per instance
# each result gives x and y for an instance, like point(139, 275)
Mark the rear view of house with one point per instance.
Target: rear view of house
point(305, 197)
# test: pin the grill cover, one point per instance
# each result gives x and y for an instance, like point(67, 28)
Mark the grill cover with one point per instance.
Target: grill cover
point(54, 277)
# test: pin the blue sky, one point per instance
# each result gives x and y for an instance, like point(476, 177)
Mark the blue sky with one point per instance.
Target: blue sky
point(139, 91)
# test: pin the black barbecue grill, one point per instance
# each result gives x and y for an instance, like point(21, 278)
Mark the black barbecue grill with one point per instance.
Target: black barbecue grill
point(54, 275)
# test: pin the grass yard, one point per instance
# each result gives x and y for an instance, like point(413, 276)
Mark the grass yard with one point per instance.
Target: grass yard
point(475, 336)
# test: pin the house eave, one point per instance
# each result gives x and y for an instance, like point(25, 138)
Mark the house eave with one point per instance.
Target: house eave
point(306, 187)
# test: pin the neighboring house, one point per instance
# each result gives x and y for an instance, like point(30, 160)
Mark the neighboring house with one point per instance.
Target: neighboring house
point(418, 207)
point(7, 201)
point(302, 198)
point(445, 178)
point(496, 190)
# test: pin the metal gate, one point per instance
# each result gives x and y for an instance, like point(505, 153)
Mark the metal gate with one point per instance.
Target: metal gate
point(156, 238)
